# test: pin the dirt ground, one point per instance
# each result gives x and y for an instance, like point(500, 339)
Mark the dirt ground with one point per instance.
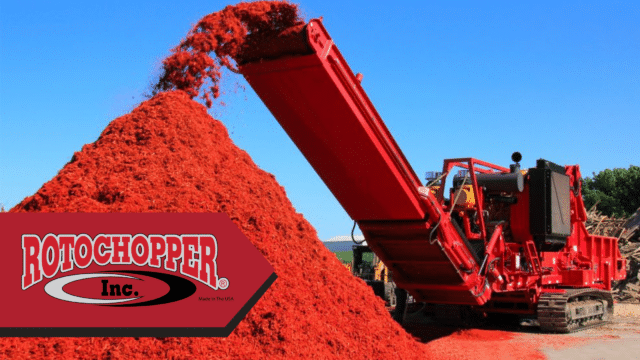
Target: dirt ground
point(620, 339)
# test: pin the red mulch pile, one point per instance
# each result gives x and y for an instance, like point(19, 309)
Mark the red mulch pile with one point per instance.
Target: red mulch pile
point(169, 155)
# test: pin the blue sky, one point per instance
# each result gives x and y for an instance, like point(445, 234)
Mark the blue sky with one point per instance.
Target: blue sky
point(555, 80)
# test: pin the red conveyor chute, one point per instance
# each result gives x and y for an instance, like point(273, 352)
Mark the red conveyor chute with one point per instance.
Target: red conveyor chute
point(307, 85)
point(318, 101)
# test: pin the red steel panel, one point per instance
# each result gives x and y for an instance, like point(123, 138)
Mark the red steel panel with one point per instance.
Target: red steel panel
point(322, 107)
point(427, 270)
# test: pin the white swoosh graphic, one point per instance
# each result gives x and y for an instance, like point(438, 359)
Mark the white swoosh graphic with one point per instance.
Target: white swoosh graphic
point(54, 289)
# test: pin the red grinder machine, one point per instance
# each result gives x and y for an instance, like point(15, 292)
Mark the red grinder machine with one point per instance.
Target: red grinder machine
point(502, 240)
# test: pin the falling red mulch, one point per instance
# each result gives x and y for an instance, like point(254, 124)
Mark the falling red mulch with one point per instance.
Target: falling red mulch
point(226, 34)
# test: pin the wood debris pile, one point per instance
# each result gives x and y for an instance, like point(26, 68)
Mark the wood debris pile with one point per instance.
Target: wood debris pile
point(598, 224)
point(628, 233)
point(628, 290)
point(631, 232)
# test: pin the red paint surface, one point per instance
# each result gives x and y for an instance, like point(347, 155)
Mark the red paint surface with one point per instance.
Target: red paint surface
point(168, 155)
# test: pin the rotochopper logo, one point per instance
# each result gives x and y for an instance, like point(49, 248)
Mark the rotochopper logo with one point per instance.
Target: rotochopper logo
point(54, 255)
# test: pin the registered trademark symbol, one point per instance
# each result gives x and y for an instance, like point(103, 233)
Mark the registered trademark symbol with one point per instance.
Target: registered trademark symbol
point(223, 283)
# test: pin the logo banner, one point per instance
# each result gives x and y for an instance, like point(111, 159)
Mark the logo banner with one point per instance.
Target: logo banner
point(153, 274)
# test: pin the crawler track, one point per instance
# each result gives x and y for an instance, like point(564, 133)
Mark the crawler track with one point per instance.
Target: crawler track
point(574, 310)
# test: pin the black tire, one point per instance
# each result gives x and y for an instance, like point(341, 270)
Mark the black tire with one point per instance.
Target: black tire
point(401, 305)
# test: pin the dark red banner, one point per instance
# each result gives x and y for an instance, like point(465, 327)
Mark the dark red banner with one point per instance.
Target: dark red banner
point(161, 275)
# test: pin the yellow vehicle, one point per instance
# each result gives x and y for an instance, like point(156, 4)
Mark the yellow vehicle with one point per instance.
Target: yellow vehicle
point(373, 272)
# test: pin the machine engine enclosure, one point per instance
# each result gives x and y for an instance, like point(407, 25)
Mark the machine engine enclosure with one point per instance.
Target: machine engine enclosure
point(549, 202)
